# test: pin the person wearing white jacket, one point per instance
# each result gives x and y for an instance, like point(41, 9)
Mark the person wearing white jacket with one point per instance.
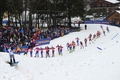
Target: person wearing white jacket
point(11, 53)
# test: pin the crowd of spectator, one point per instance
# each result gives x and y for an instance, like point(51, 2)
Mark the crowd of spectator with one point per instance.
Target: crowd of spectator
point(22, 36)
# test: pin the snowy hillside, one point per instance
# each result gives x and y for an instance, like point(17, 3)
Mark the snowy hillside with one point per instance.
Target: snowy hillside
point(89, 63)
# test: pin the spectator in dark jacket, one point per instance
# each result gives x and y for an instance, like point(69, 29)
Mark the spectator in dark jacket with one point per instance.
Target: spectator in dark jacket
point(85, 27)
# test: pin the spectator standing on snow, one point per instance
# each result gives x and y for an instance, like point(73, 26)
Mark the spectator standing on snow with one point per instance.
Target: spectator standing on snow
point(1, 48)
point(85, 27)
point(18, 50)
point(79, 24)
point(25, 52)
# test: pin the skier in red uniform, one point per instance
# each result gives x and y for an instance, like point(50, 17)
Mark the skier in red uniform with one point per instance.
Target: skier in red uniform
point(101, 27)
point(73, 44)
point(98, 34)
point(68, 46)
point(31, 50)
point(77, 41)
point(53, 50)
point(89, 37)
point(104, 32)
point(94, 37)
point(41, 51)
point(47, 51)
point(107, 29)
point(37, 52)
point(85, 40)
point(81, 45)
point(60, 50)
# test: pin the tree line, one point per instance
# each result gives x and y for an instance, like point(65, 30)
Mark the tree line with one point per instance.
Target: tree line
point(54, 9)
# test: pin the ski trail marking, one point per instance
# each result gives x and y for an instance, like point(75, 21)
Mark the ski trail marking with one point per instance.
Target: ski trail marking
point(99, 48)
point(115, 36)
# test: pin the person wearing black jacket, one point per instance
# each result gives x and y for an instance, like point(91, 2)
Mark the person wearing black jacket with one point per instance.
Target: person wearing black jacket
point(85, 27)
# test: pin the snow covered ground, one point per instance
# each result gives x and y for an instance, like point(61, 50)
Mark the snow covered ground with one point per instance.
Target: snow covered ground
point(89, 63)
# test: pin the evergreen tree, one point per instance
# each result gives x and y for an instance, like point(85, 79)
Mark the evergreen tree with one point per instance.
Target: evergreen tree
point(3, 9)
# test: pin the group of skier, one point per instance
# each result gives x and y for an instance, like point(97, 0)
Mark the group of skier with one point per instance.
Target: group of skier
point(91, 38)
point(47, 50)
point(70, 46)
